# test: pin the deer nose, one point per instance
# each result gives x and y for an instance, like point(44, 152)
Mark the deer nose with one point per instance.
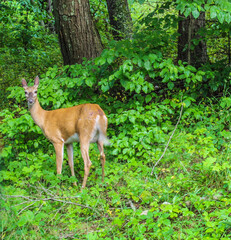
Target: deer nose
point(30, 100)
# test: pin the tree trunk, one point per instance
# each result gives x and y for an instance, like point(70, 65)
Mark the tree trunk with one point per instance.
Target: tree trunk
point(191, 47)
point(77, 33)
point(120, 19)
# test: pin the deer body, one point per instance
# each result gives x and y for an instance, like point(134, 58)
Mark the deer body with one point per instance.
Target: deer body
point(85, 123)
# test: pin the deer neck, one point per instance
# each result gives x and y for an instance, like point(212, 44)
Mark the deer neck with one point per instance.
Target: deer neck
point(38, 114)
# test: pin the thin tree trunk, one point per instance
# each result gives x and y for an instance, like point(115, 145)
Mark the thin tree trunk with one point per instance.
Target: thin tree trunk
point(229, 49)
point(191, 47)
point(120, 18)
point(77, 33)
point(47, 23)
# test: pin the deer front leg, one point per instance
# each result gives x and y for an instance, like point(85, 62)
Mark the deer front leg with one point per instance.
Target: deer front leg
point(59, 156)
point(70, 160)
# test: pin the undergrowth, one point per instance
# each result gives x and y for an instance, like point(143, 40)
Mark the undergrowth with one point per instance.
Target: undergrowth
point(186, 197)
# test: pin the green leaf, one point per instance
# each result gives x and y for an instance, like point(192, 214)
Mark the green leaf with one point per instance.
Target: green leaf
point(152, 57)
point(138, 88)
point(145, 88)
point(100, 61)
point(170, 85)
point(117, 221)
point(105, 87)
point(187, 102)
point(195, 13)
point(147, 65)
point(89, 81)
point(26, 217)
point(127, 66)
point(148, 98)
point(228, 17)
point(199, 77)
point(181, 7)
point(208, 162)
point(53, 74)
point(110, 59)
point(187, 12)
point(132, 119)
point(22, 220)
point(221, 17)
point(152, 74)
point(213, 12)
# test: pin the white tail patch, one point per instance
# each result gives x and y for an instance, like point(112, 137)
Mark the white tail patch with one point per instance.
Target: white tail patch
point(105, 140)
point(102, 137)
point(97, 134)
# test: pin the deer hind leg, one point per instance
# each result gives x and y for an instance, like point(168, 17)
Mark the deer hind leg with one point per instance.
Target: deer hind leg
point(102, 157)
point(59, 156)
point(87, 163)
point(70, 160)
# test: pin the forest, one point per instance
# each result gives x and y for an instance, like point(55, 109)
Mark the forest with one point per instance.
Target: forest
point(160, 70)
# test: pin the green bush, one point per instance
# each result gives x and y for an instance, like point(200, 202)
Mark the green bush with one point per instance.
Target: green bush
point(27, 48)
point(186, 196)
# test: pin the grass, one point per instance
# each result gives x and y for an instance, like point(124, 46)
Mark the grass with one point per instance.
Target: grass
point(131, 204)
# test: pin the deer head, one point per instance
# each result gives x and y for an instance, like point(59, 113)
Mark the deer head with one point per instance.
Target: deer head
point(31, 92)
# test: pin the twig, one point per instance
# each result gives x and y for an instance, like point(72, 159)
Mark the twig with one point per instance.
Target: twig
point(182, 106)
point(26, 208)
point(133, 207)
point(33, 200)
point(56, 212)
point(29, 198)
point(40, 207)
point(47, 191)
point(18, 196)
point(184, 167)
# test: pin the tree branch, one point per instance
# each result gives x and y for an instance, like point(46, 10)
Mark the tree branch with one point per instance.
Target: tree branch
point(32, 200)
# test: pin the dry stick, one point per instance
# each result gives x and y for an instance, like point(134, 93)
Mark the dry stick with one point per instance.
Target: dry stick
point(33, 199)
point(47, 191)
point(29, 198)
point(182, 106)
point(25, 208)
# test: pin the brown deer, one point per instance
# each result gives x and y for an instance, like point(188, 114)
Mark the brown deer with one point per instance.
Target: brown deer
point(85, 123)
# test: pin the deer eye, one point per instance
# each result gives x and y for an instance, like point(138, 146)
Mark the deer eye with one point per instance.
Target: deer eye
point(26, 92)
point(35, 91)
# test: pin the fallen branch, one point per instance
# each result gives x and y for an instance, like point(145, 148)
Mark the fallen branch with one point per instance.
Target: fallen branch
point(32, 200)
point(25, 207)
point(181, 110)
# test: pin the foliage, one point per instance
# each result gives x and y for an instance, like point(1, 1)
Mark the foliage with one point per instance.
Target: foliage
point(101, 19)
point(26, 46)
point(189, 186)
point(141, 89)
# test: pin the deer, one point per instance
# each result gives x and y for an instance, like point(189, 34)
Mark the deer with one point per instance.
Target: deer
point(84, 123)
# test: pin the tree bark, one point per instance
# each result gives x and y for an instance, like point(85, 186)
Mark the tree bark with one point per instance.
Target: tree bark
point(77, 33)
point(120, 19)
point(191, 47)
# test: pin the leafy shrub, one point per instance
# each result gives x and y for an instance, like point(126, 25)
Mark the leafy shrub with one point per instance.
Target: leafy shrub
point(27, 48)
point(142, 95)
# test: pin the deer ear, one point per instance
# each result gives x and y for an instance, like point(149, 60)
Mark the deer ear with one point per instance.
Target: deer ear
point(36, 81)
point(24, 83)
